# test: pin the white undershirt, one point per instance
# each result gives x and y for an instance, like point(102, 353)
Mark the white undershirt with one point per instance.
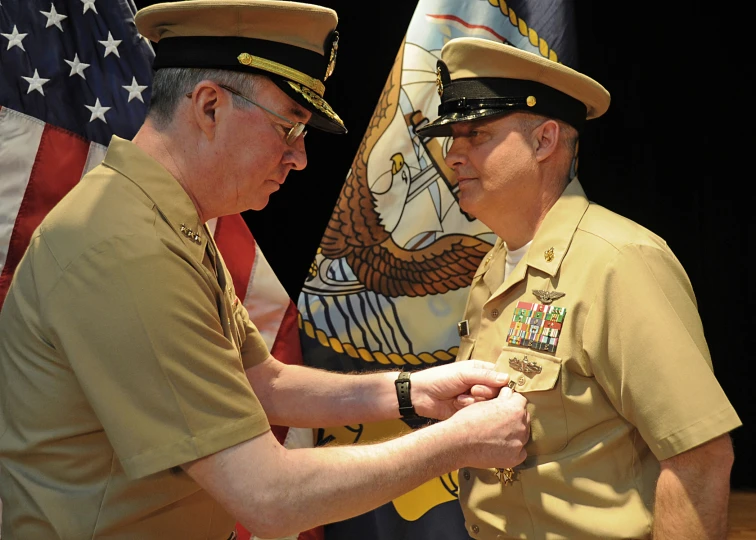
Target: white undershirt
point(514, 256)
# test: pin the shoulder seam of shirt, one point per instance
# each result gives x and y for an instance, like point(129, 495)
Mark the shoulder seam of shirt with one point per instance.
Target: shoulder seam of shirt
point(605, 240)
point(78, 256)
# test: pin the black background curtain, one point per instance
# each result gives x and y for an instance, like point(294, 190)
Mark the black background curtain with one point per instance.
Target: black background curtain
point(675, 153)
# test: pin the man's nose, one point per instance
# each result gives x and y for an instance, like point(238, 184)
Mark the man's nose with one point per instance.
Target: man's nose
point(296, 155)
point(455, 156)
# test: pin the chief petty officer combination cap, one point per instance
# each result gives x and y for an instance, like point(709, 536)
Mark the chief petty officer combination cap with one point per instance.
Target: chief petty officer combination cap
point(294, 44)
point(477, 78)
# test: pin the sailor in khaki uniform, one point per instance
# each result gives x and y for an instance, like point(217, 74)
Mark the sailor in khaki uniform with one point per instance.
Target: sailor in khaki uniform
point(136, 395)
point(590, 314)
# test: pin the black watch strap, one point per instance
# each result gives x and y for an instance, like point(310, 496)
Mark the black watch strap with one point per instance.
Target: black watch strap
point(403, 395)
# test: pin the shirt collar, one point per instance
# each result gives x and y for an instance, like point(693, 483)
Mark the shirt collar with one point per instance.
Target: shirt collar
point(163, 189)
point(555, 233)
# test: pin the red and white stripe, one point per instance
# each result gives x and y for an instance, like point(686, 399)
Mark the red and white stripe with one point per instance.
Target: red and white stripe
point(39, 163)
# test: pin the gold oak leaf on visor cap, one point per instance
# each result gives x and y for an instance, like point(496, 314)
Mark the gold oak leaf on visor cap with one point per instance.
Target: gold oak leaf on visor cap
point(478, 77)
point(294, 44)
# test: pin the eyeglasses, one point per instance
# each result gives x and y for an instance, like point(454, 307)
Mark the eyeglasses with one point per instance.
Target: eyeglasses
point(297, 129)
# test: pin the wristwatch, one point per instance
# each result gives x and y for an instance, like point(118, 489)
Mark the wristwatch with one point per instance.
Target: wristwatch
point(403, 386)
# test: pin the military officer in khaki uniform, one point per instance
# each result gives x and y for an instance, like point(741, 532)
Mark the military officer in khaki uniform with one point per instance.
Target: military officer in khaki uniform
point(591, 315)
point(136, 395)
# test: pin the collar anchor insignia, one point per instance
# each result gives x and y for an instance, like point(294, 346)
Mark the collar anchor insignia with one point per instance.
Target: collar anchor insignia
point(547, 297)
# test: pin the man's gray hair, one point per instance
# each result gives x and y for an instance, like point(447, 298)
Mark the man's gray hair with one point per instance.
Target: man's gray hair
point(170, 85)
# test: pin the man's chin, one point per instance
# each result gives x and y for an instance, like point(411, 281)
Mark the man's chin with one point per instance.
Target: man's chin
point(467, 206)
point(260, 202)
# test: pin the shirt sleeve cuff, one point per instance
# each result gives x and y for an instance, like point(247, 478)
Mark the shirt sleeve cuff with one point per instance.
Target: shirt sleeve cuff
point(196, 446)
point(704, 430)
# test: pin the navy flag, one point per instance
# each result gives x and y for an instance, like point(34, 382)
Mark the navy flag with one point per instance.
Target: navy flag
point(390, 278)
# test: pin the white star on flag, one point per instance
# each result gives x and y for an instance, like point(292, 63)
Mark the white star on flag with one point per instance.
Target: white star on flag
point(89, 4)
point(53, 17)
point(35, 83)
point(98, 111)
point(135, 90)
point(111, 45)
point(77, 67)
point(15, 39)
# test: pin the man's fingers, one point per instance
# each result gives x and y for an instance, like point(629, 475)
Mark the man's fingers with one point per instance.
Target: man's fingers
point(481, 373)
point(463, 400)
point(482, 392)
point(516, 395)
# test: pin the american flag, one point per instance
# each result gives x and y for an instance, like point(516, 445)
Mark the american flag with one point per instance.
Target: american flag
point(72, 74)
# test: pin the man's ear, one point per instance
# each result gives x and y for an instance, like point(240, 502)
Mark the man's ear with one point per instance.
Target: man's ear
point(207, 99)
point(546, 139)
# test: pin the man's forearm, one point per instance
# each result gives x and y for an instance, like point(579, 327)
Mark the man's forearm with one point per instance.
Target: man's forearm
point(298, 396)
point(692, 493)
point(274, 491)
point(337, 483)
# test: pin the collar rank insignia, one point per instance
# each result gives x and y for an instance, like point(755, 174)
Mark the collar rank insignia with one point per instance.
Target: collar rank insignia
point(547, 297)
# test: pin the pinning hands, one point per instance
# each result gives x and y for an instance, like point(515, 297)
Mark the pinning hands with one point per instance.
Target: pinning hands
point(440, 391)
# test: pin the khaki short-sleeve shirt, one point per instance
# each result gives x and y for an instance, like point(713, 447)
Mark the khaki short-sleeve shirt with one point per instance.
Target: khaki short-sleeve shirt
point(616, 371)
point(122, 357)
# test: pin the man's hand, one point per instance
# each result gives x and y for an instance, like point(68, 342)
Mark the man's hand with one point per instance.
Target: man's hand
point(440, 391)
point(497, 430)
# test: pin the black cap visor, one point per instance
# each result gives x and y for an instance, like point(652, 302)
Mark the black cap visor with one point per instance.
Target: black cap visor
point(442, 126)
point(464, 100)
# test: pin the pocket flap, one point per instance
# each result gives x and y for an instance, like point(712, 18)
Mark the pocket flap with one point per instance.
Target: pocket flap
point(529, 371)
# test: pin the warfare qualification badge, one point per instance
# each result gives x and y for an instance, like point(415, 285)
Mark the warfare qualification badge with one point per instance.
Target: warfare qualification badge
point(547, 297)
point(439, 83)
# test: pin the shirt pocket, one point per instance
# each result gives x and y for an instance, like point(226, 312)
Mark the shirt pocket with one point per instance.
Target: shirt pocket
point(535, 375)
